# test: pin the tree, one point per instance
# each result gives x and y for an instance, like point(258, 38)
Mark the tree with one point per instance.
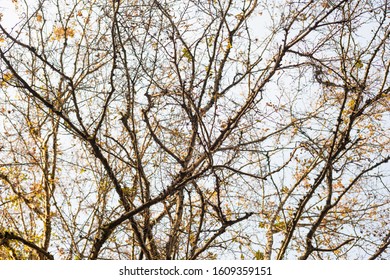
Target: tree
point(195, 130)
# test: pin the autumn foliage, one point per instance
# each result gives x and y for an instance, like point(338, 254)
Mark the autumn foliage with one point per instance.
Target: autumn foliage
point(214, 129)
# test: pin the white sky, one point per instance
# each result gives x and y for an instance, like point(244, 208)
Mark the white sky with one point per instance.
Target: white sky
point(7, 9)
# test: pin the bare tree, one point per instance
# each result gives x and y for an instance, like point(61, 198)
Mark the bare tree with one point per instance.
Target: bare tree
point(195, 130)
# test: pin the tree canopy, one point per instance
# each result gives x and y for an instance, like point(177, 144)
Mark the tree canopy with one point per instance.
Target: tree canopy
point(195, 129)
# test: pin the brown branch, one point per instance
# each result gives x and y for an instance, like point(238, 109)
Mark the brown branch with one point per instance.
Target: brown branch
point(181, 180)
point(328, 249)
point(218, 233)
point(11, 236)
point(385, 244)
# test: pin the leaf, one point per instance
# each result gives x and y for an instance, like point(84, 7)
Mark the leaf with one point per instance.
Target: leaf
point(60, 33)
point(229, 45)
point(261, 225)
point(186, 54)
point(259, 255)
point(210, 40)
point(284, 188)
point(239, 16)
point(325, 4)
point(351, 104)
point(359, 64)
point(279, 226)
point(5, 79)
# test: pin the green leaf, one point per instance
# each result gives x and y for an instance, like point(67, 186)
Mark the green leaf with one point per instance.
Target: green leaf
point(186, 54)
point(359, 64)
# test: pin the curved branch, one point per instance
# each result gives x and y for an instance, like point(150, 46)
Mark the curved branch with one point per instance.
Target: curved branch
point(11, 236)
point(219, 232)
point(382, 248)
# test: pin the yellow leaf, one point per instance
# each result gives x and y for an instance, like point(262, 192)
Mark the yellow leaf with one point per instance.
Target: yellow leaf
point(5, 79)
point(229, 45)
point(259, 255)
point(239, 16)
point(261, 225)
point(39, 18)
point(325, 4)
point(351, 104)
point(60, 32)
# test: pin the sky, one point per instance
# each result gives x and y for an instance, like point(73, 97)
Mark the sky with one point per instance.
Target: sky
point(7, 9)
